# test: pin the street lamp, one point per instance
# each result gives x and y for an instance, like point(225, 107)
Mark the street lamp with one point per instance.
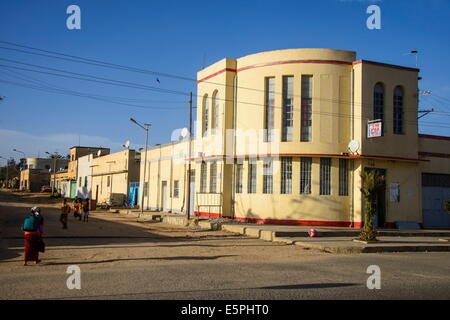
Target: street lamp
point(55, 158)
point(21, 153)
point(7, 165)
point(145, 126)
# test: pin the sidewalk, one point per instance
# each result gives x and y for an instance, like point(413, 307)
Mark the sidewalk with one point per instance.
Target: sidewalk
point(330, 239)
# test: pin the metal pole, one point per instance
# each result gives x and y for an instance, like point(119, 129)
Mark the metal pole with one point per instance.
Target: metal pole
point(54, 175)
point(145, 170)
point(188, 207)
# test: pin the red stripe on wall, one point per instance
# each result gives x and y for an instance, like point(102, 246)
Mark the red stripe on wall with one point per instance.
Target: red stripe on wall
point(347, 224)
point(429, 136)
point(216, 73)
point(434, 154)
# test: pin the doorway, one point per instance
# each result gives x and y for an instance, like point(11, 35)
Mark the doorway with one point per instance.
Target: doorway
point(164, 196)
point(379, 218)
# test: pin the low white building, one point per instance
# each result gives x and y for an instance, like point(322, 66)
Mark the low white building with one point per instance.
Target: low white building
point(84, 176)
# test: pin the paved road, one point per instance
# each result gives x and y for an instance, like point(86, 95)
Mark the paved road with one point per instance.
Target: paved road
point(122, 258)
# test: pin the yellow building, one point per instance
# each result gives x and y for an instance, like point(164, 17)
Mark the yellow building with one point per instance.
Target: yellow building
point(283, 137)
point(112, 175)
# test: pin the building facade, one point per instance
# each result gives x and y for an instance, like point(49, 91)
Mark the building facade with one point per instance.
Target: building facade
point(284, 136)
point(112, 176)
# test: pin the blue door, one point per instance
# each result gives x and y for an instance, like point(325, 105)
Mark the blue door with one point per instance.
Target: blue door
point(133, 197)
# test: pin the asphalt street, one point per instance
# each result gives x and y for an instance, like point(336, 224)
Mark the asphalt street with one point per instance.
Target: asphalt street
point(124, 258)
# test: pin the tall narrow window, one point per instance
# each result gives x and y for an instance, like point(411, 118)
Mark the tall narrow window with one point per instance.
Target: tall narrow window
point(203, 177)
point(288, 92)
point(176, 188)
point(325, 176)
point(306, 115)
point(378, 104)
point(239, 174)
point(305, 175)
point(269, 109)
point(205, 115)
point(398, 110)
point(268, 176)
point(251, 187)
point(215, 112)
point(286, 175)
point(213, 177)
point(343, 177)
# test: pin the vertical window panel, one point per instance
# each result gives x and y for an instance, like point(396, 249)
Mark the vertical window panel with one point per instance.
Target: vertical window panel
point(305, 175)
point(268, 176)
point(306, 109)
point(398, 110)
point(325, 176)
point(239, 176)
point(213, 177)
point(251, 182)
point(343, 177)
point(203, 177)
point(269, 109)
point(288, 109)
point(286, 175)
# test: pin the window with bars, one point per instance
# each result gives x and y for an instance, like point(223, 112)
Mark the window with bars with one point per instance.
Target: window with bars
point(306, 108)
point(251, 183)
point(145, 189)
point(239, 176)
point(286, 175)
point(343, 177)
point(203, 177)
point(268, 176)
point(213, 177)
point(288, 93)
point(398, 110)
point(269, 109)
point(215, 112)
point(378, 104)
point(325, 176)
point(305, 175)
point(205, 115)
point(176, 188)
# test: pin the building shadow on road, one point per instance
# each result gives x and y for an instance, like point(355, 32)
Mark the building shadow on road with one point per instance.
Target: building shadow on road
point(140, 259)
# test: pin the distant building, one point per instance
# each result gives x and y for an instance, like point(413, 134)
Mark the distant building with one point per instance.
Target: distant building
point(37, 172)
point(113, 175)
point(66, 181)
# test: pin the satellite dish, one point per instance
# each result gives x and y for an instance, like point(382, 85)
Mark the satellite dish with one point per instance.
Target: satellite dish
point(127, 144)
point(184, 132)
point(353, 146)
point(99, 152)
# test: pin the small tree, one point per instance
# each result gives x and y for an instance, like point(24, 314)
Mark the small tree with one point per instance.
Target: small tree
point(372, 182)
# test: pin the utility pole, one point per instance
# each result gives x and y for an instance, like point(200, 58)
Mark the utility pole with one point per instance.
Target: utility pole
point(144, 126)
point(188, 207)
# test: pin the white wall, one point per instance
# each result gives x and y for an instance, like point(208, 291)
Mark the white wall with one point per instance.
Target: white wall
point(84, 172)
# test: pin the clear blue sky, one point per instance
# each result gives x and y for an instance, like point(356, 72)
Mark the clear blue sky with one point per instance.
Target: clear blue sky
point(180, 37)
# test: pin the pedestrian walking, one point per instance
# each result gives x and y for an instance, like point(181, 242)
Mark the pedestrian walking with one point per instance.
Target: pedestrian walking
point(86, 210)
point(33, 230)
point(77, 208)
point(65, 210)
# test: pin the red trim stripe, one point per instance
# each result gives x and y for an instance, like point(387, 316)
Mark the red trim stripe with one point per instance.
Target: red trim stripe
point(434, 154)
point(216, 73)
point(347, 224)
point(429, 136)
